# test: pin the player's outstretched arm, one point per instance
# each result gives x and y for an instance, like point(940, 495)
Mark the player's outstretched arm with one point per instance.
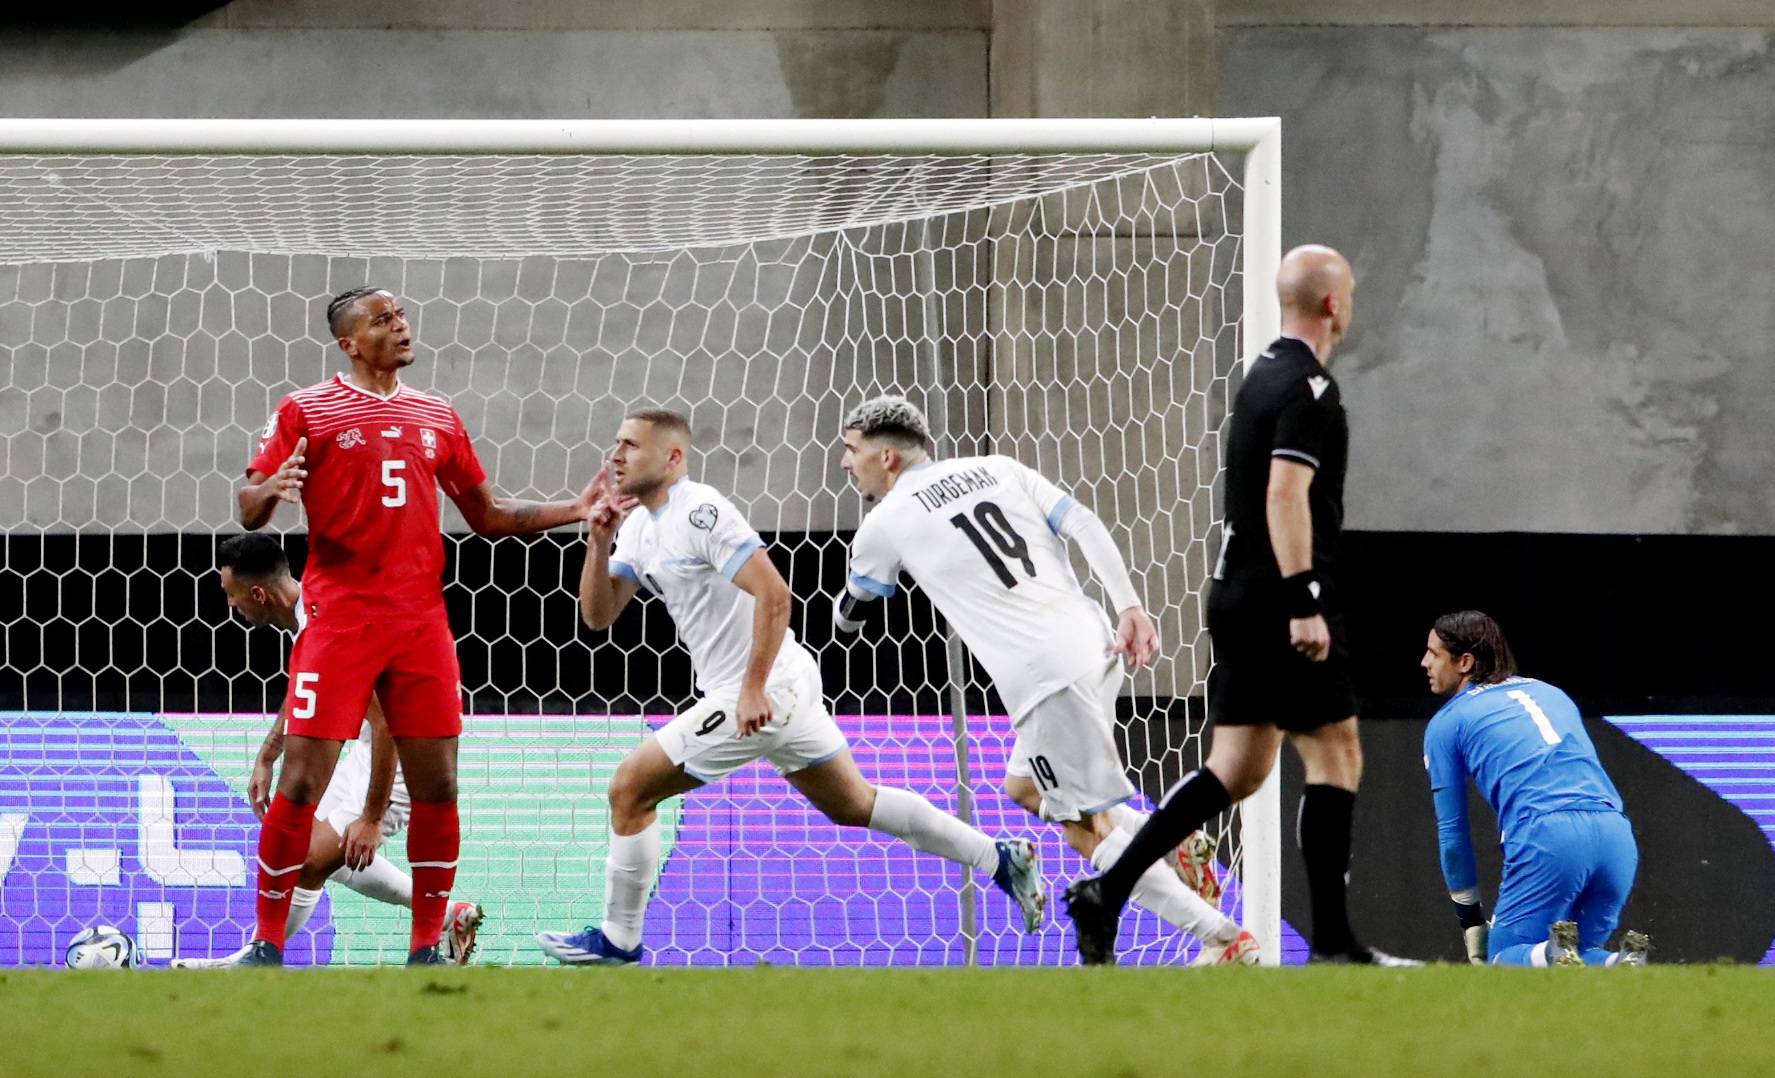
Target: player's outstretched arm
point(489, 514)
point(770, 621)
point(364, 834)
point(258, 500)
point(1290, 519)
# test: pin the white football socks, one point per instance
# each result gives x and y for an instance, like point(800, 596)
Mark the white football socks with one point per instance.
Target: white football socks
point(1126, 817)
point(380, 880)
point(1160, 891)
point(629, 872)
point(923, 826)
point(302, 904)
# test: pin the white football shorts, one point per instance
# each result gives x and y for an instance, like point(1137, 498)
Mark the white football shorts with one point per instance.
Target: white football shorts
point(344, 800)
point(1067, 744)
point(705, 740)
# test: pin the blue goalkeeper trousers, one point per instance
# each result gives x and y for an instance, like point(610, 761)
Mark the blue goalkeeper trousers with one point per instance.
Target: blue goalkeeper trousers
point(1563, 866)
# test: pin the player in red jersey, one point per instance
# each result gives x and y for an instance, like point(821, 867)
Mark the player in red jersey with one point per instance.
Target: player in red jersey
point(365, 455)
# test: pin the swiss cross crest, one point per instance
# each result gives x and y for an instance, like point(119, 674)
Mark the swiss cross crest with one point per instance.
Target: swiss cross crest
point(429, 438)
point(349, 438)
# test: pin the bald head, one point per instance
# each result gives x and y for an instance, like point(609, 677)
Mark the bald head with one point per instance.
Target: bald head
point(1309, 274)
point(1316, 287)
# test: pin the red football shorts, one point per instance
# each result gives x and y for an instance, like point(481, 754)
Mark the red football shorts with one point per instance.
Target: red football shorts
point(411, 667)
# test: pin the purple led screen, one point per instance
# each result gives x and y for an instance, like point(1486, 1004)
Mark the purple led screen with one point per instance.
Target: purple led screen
point(112, 818)
point(1732, 755)
point(109, 818)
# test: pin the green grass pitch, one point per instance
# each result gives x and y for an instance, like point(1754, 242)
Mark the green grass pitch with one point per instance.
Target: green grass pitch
point(1036, 1023)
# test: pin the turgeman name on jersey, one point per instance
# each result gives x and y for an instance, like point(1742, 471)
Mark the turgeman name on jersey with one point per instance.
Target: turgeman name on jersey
point(950, 487)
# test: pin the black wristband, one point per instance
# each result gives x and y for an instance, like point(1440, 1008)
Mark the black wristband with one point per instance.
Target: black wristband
point(1471, 915)
point(1301, 594)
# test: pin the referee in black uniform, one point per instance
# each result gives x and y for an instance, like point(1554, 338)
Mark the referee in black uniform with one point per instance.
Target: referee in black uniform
point(1280, 655)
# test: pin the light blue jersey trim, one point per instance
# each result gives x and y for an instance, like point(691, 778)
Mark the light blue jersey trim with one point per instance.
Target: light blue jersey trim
point(738, 561)
point(1107, 805)
point(1058, 513)
point(873, 587)
point(828, 758)
point(624, 570)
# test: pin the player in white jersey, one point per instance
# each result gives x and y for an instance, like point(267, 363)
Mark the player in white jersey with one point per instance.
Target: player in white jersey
point(761, 696)
point(365, 801)
point(985, 537)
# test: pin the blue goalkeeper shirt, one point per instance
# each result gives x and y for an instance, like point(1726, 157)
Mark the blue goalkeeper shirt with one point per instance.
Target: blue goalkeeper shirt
point(1524, 744)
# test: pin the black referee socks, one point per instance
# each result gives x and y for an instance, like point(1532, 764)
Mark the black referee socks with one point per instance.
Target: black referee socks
point(1189, 804)
point(1323, 832)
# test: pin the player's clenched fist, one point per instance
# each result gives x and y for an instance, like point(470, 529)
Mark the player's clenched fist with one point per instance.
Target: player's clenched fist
point(1311, 637)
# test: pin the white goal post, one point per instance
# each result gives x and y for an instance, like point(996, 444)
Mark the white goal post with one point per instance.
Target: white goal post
point(1073, 292)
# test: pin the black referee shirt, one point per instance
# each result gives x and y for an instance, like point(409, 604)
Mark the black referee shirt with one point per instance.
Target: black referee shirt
point(1288, 407)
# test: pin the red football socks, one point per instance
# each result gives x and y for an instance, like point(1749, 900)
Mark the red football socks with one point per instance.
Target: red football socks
point(434, 837)
point(283, 847)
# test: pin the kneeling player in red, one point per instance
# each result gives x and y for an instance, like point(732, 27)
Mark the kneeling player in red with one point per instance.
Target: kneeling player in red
point(365, 455)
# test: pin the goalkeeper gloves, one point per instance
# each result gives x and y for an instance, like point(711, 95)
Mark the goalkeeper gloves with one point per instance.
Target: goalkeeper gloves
point(1475, 932)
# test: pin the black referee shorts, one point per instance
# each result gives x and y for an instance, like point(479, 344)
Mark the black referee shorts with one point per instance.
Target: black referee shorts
point(1258, 679)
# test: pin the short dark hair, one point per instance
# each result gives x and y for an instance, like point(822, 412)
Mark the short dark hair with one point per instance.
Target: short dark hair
point(254, 554)
point(663, 417)
point(1470, 632)
point(341, 306)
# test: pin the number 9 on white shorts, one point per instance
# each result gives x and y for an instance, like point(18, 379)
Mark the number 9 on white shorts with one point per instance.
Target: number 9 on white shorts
point(705, 740)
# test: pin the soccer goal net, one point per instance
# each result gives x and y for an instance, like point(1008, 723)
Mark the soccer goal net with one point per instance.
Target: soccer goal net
point(1072, 294)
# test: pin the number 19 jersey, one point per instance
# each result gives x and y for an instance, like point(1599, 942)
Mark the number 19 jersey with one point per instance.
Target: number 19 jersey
point(981, 536)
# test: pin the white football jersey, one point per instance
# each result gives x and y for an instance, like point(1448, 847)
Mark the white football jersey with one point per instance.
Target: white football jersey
point(688, 553)
point(980, 536)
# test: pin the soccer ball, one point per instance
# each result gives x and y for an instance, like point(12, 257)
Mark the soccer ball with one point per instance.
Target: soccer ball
point(103, 947)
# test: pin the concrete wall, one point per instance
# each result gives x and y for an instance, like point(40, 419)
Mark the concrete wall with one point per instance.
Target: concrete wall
point(495, 74)
point(1559, 324)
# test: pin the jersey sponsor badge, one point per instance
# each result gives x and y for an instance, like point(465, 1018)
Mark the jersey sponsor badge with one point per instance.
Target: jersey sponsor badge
point(391, 432)
point(1318, 384)
point(349, 438)
point(270, 428)
point(704, 516)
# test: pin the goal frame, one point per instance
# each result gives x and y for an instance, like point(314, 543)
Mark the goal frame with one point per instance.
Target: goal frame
point(1259, 139)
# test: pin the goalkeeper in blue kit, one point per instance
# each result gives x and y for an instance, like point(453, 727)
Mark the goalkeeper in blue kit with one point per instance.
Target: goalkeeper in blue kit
point(1569, 853)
